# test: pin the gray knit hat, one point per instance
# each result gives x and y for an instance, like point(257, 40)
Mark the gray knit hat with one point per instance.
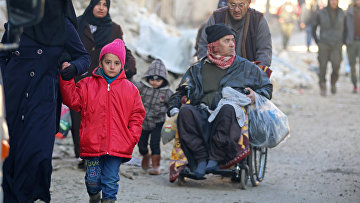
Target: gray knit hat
point(157, 68)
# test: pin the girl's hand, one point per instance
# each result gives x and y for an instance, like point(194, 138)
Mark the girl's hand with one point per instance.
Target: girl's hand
point(68, 71)
point(65, 65)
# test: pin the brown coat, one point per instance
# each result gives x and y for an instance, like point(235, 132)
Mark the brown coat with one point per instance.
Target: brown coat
point(94, 52)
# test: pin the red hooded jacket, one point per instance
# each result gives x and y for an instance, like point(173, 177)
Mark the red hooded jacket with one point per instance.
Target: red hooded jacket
point(111, 114)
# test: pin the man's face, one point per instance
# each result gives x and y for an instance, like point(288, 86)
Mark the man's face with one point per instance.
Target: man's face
point(333, 4)
point(357, 3)
point(227, 45)
point(238, 8)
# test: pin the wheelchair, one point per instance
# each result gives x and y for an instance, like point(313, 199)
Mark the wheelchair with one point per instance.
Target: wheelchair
point(250, 168)
point(248, 164)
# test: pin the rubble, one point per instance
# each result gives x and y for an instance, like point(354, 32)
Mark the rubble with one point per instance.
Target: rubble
point(289, 75)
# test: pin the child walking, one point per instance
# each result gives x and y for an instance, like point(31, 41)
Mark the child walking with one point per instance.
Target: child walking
point(111, 117)
point(154, 90)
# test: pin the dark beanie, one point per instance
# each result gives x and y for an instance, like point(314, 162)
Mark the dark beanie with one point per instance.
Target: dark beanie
point(217, 31)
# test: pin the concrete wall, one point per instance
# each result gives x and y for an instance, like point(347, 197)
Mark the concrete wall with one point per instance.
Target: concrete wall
point(180, 12)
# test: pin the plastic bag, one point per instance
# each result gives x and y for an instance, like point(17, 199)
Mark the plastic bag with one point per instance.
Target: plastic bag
point(268, 126)
point(169, 129)
point(65, 122)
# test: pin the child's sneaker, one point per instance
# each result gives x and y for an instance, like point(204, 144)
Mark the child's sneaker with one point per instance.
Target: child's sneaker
point(59, 135)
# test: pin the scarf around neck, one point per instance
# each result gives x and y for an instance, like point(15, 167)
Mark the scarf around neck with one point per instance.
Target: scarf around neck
point(222, 62)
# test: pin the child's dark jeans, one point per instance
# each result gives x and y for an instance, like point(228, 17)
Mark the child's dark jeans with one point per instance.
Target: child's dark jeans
point(102, 174)
point(154, 140)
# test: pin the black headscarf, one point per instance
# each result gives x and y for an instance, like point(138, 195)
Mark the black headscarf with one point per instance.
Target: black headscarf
point(51, 29)
point(104, 25)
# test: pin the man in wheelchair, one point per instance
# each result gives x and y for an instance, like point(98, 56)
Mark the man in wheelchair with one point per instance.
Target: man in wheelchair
point(210, 144)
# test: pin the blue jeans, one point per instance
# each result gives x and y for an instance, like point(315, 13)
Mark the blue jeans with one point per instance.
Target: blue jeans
point(102, 174)
point(308, 34)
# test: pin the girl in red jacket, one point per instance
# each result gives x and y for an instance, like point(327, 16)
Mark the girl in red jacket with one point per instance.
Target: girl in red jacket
point(111, 120)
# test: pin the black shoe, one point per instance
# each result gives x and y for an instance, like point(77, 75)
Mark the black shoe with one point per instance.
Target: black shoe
point(82, 165)
point(195, 176)
point(333, 89)
point(187, 173)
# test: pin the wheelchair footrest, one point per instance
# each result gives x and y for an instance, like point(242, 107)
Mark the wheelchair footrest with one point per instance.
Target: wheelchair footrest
point(223, 172)
point(188, 174)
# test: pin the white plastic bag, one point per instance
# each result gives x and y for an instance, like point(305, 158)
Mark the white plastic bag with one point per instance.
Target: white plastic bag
point(268, 126)
point(169, 129)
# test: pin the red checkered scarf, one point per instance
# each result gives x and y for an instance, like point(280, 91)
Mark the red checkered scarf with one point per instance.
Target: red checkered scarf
point(222, 62)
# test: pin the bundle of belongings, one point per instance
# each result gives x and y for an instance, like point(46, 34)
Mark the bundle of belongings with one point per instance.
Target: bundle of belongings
point(268, 126)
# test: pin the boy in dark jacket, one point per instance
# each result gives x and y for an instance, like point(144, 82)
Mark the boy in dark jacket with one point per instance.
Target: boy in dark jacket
point(154, 90)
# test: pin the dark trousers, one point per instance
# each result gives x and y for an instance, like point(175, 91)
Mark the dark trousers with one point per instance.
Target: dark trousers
point(194, 132)
point(154, 140)
point(353, 51)
point(333, 54)
point(75, 127)
point(308, 35)
point(225, 134)
point(203, 140)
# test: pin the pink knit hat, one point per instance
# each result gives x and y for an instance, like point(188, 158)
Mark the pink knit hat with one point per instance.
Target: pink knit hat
point(117, 48)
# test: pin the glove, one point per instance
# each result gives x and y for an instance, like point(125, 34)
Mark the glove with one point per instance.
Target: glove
point(69, 72)
point(65, 57)
point(174, 111)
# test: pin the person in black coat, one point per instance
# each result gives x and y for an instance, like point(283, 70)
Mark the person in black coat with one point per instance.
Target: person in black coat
point(31, 85)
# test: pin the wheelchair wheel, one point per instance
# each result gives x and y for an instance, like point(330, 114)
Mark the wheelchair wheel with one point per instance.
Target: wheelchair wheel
point(257, 164)
point(243, 178)
point(240, 176)
point(181, 180)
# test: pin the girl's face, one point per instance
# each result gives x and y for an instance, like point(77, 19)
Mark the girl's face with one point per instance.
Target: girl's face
point(100, 10)
point(156, 83)
point(111, 65)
